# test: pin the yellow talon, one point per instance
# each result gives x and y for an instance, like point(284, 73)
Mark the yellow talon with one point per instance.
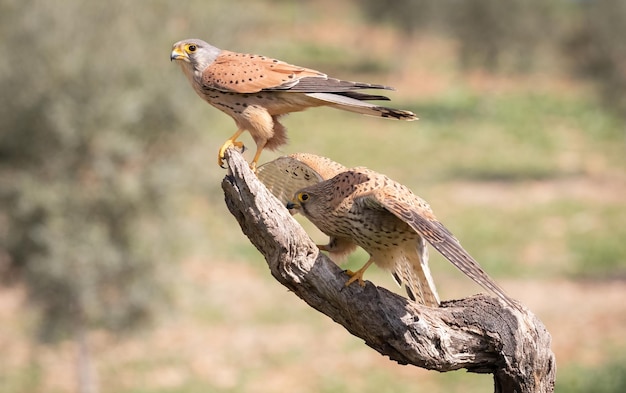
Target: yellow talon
point(355, 276)
point(253, 166)
point(358, 275)
point(232, 141)
point(226, 145)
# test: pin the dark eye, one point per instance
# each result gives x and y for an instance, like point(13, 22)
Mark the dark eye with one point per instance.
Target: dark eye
point(192, 48)
point(303, 197)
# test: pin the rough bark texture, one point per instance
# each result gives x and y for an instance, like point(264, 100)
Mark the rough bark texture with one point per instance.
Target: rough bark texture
point(479, 333)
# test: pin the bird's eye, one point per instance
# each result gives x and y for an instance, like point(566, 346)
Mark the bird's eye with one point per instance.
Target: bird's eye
point(303, 197)
point(191, 48)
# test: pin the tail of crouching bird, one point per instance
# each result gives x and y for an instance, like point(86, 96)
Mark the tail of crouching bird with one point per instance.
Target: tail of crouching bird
point(355, 102)
point(413, 272)
point(418, 284)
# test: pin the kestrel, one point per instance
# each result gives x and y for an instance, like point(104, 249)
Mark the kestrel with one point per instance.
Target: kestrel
point(286, 175)
point(256, 91)
point(365, 208)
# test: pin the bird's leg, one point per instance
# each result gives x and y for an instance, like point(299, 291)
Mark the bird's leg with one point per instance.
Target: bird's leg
point(232, 141)
point(257, 155)
point(358, 275)
point(338, 247)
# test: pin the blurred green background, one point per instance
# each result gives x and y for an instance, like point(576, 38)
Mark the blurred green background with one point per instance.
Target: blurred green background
point(123, 271)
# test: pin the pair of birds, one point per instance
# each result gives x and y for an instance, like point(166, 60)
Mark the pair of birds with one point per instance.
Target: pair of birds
point(353, 206)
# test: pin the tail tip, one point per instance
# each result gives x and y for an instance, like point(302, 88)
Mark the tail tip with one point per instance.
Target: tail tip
point(399, 115)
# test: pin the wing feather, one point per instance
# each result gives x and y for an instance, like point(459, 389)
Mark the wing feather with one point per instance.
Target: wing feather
point(306, 84)
point(288, 174)
point(245, 73)
point(424, 223)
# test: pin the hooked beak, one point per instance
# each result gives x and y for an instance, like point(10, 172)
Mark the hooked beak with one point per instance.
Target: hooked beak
point(291, 205)
point(178, 54)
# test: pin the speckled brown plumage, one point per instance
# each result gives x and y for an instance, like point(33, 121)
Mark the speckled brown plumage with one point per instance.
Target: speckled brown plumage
point(257, 90)
point(244, 73)
point(363, 207)
point(286, 175)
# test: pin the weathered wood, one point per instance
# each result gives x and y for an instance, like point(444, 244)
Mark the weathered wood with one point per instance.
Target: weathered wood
point(479, 333)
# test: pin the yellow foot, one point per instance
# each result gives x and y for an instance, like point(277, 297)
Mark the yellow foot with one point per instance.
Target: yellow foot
point(358, 275)
point(253, 166)
point(355, 276)
point(226, 145)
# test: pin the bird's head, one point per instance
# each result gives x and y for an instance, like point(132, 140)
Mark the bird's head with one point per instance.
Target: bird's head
point(194, 54)
point(316, 201)
point(301, 202)
point(308, 202)
point(296, 203)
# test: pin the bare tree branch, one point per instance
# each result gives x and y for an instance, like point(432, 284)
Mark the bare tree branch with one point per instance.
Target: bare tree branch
point(479, 333)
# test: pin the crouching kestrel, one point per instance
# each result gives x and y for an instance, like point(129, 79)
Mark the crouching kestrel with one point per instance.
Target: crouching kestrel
point(257, 90)
point(360, 207)
point(286, 175)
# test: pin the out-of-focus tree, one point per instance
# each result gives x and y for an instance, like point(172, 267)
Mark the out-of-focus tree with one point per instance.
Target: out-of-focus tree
point(486, 31)
point(97, 137)
point(87, 136)
point(489, 30)
point(408, 16)
point(596, 49)
point(480, 27)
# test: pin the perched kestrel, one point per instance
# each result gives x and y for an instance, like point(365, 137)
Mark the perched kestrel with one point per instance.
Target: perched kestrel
point(286, 175)
point(365, 208)
point(257, 90)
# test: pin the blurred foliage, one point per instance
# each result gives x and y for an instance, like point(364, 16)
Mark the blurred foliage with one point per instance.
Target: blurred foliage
point(94, 152)
point(520, 35)
point(84, 164)
point(490, 31)
point(408, 16)
point(606, 378)
point(596, 49)
point(489, 34)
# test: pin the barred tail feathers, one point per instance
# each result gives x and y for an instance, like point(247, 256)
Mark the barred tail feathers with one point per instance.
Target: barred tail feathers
point(350, 104)
point(416, 277)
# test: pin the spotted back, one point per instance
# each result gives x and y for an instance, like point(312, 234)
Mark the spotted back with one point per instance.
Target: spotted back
point(246, 73)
